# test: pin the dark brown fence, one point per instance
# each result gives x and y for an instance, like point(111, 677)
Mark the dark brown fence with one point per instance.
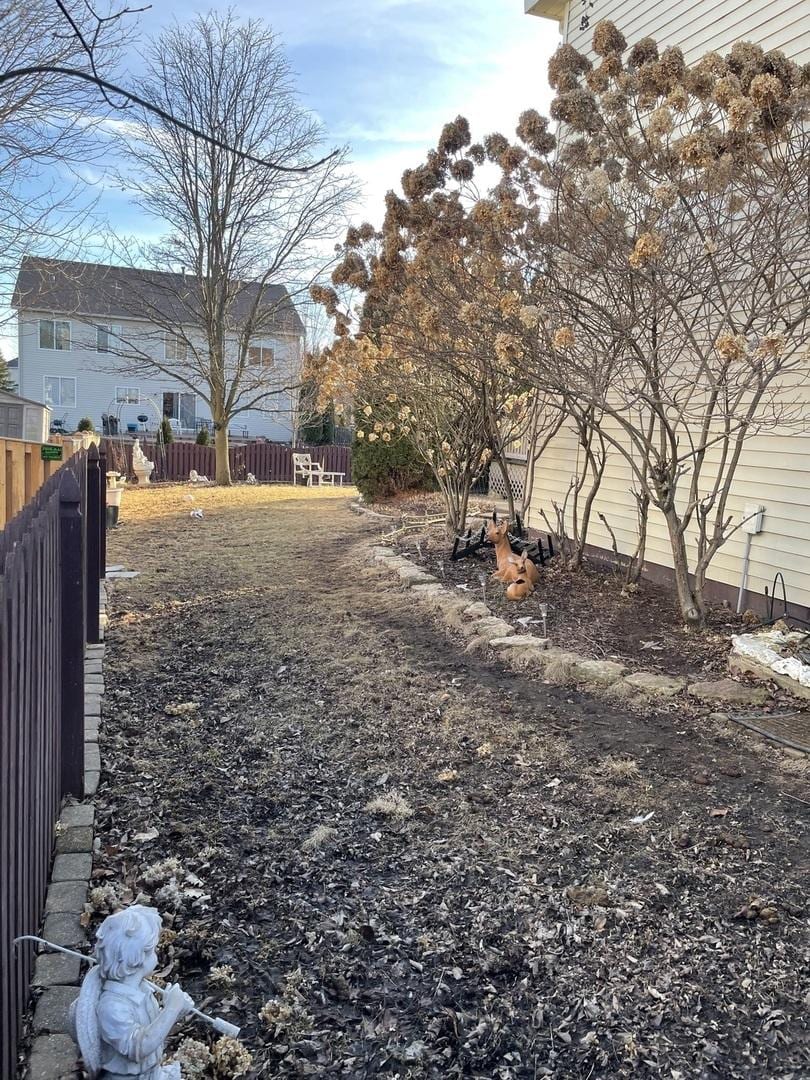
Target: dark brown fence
point(51, 561)
point(268, 462)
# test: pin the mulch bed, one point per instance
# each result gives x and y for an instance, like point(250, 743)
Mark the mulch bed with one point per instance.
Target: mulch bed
point(587, 612)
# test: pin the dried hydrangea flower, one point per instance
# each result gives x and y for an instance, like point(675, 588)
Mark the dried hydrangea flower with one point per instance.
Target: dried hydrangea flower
point(564, 61)
point(741, 112)
point(730, 346)
point(766, 89)
point(608, 39)
point(666, 194)
point(563, 338)
point(772, 346)
point(194, 1058)
point(661, 121)
point(222, 975)
point(230, 1058)
point(648, 246)
point(695, 150)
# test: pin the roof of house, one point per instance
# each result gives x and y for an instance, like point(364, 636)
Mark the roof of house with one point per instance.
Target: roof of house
point(93, 289)
point(6, 395)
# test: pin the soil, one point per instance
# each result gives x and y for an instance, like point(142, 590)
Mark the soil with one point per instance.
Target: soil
point(415, 862)
point(587, 610)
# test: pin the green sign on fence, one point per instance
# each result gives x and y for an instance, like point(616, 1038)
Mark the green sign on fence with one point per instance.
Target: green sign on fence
point(50, 452)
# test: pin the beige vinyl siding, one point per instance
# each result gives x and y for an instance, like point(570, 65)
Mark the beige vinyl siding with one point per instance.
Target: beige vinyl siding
point(774, 472)
point(701, 27)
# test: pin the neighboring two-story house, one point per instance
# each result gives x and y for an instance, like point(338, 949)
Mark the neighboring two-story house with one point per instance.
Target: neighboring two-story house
point(774, 470)
point(88, 334)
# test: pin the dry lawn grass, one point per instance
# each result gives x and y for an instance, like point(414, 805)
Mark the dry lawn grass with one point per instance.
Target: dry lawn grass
point(159, 502)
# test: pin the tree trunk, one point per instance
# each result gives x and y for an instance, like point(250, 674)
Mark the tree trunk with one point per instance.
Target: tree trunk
point(636, 563)
point(223, 467)
point(510, 499)
point(456, 495)
point(692, 605)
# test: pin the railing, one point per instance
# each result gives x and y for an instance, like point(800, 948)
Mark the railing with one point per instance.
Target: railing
point(266, 461)
point(51, 560)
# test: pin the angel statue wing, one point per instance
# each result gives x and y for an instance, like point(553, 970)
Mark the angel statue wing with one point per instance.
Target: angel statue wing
point(84, 1022)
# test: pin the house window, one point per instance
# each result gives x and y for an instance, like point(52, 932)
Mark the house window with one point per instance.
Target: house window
point(175, 347)
point(59, 391)
point(107, 338)
point(11, 421)
point(127, 395)
point(261, 356)
point(181, 407)
point(54, 334)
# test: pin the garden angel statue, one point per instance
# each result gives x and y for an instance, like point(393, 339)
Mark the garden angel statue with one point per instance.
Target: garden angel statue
point(119, 1026)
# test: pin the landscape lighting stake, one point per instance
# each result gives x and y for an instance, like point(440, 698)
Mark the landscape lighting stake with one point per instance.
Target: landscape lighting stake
point(544, 616)
point(483, 580)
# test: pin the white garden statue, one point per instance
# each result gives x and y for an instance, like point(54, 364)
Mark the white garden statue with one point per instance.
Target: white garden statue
point(119, 1026)
point(141, 465)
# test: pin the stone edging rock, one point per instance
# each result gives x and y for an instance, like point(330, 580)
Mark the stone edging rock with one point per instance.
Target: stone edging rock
point(481, 629)
point(53, 1054)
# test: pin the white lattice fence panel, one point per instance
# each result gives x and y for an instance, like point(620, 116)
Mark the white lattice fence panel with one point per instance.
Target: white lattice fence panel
point(497, 485)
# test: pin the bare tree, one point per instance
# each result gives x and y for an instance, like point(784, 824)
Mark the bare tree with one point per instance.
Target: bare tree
point(48, 125)
point(240, 228)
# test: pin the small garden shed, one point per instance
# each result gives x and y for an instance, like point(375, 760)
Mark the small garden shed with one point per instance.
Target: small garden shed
point(22, 418)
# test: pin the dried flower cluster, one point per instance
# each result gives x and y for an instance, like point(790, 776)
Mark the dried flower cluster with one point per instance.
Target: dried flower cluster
point(230, 1058)
point(194, 1058)
point(648, 247)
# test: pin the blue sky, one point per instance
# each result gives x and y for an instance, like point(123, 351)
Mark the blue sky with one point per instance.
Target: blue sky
point(383, 76)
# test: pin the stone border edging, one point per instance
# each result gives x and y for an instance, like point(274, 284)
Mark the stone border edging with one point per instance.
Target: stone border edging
point(481, 629)
point(53, 1054)
point(358, 508)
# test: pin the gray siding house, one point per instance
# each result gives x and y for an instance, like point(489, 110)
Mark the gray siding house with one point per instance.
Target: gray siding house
point(87, 333)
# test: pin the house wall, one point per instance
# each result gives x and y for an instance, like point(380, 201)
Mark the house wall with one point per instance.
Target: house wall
point(775, 468)
point(697, 28)
point(774, 472)
point(98, 374)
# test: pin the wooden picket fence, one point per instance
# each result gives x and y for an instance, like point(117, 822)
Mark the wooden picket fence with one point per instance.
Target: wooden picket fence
point(268, 462)
point(52, 557)
point(23, 471)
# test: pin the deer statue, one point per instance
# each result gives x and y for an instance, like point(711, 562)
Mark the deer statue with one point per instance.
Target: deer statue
point(522, 584)
point(517, 571)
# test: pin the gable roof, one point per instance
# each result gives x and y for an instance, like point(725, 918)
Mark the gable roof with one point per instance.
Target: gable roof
point(120, 292)
point(9, 395)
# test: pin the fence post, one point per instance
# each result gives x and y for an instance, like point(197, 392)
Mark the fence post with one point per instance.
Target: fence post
point(102, 516)
point(71, 635)
point(92, 542)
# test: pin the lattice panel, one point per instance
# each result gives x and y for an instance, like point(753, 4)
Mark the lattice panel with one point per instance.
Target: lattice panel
point(497, 487)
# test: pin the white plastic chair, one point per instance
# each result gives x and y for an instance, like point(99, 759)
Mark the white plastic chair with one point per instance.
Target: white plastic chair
point(312, 470)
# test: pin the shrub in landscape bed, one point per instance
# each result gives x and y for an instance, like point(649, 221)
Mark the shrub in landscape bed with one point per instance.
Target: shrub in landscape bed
point(384, 468)
point(203, 438)
point(166, 434)
point(85, 424)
